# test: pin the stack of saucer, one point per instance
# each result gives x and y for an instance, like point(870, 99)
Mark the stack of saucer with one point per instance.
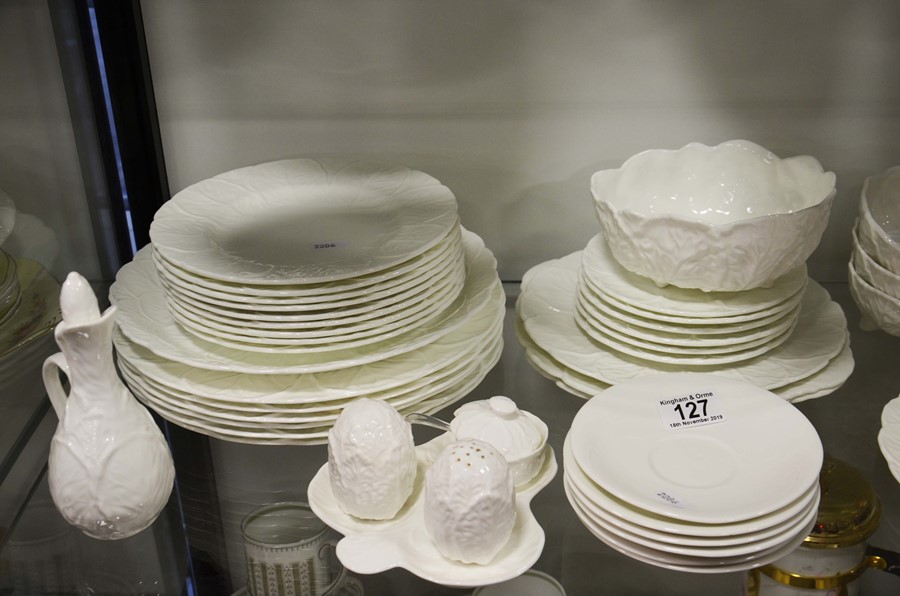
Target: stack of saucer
point(694, 472)
point(272, 296)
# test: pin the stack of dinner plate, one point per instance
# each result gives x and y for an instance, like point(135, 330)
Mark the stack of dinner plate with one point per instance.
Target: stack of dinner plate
point(273, 295)
point(587, 323)
point(694, 472)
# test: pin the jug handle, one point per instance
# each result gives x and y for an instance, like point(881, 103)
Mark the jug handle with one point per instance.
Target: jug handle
point(55, 391)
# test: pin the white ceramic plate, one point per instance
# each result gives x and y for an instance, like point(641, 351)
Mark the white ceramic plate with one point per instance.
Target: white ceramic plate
point(605, 317)
point(704, 546)
point(303, 221)
point(318, 313)
point(695, 327)
point(636, 517)
point(819, 384)
point(824, 382)
point(292, 390)
point(322, 340)
point(145, 319)
point(700, 550)
point(339, 293)
point(689, 565)
point(310, 435)
point(375, 546)
point(713, 323)
point(546, 306)
point(324, 413)
point(605, 274)
point(295, 402)
point(316, 321)
point(761, 457)
point(255, 423)
point(678, 355)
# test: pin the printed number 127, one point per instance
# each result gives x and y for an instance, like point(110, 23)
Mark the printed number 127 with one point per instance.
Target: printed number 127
point(691, 409)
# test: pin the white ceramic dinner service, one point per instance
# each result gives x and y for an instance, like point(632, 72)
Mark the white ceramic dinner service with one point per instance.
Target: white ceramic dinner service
point(719, 299)
point(874, 268)
point(693, 472)
point(272, 296)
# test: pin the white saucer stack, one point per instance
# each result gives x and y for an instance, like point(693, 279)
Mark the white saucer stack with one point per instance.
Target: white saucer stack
point(272, 296)
point(694, 472)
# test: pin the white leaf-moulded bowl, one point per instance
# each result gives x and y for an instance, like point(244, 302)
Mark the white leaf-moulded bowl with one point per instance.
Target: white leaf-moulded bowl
point(878, 228)
point(869, 270)
point(729, 217)
point(875, 305)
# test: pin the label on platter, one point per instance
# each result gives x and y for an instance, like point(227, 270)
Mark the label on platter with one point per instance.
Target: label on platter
point(667, 497)
point(327, 245)
point(690, 410)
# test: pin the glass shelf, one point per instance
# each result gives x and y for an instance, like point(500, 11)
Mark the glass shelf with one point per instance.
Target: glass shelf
point(221, 482)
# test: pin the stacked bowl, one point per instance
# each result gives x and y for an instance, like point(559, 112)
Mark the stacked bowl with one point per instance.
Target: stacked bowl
point(700, 265)
point(272, 296)
point(694, 472)
point(874, 269)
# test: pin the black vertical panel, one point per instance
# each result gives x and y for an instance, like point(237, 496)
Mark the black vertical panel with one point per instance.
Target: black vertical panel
point(126, 70)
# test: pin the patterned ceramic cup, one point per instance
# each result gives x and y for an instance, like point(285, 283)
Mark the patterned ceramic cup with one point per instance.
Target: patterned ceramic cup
point(288, 551)
point(530, 583)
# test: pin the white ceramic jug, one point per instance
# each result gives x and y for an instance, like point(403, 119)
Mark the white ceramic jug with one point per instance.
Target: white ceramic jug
point(110, 470)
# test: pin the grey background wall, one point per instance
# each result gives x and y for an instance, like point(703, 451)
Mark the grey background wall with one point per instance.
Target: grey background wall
point(514, 103)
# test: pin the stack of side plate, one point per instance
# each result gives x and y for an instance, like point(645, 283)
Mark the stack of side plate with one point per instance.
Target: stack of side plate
point(567, 314)
point(274, 295)
point(634, 316)
point(694, 472)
